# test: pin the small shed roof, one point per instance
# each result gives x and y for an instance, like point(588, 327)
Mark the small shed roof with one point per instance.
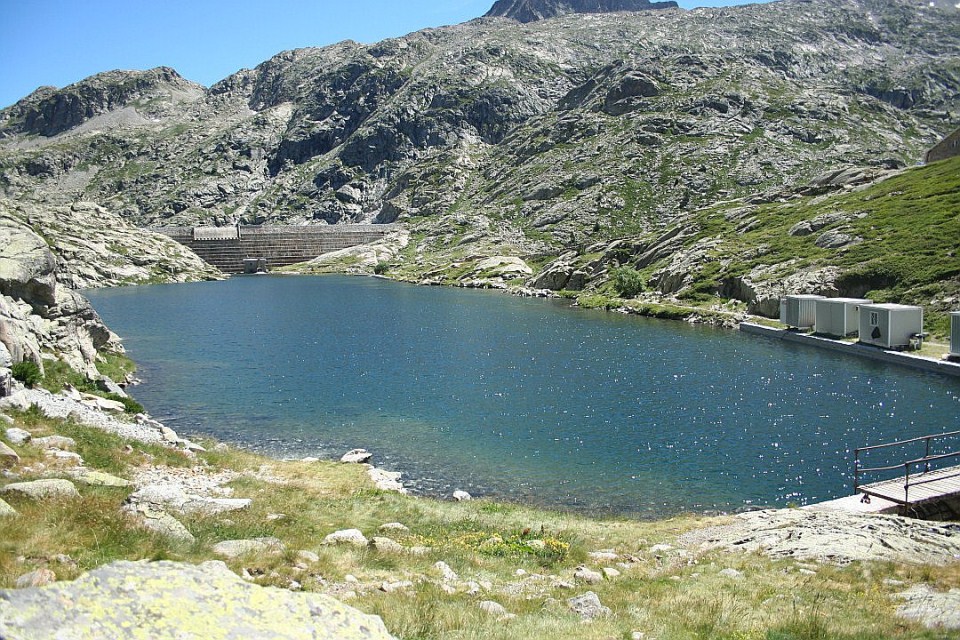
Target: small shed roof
point(891, 306)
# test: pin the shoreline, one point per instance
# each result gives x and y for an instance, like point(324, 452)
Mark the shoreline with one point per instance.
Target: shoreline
point(449, 484)
point(503, 570)
point(900, 358)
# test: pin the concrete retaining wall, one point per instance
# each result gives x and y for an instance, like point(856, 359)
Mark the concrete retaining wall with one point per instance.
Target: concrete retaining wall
point(280, 246)
point(854, 349)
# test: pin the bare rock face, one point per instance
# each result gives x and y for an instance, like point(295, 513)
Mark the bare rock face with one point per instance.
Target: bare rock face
point(50, 489)
point(934, 609)
point(26, 264)
point(832, 536)
point(35, 313)
point(168, 600)
point(533, 10)
point(762, 290)
point(94, 247)
point(501, 138)
point(82, 245)
point(48, 111)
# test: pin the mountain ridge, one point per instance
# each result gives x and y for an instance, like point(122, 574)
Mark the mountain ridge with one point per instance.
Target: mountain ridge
point(533, 10)
point(495, 137)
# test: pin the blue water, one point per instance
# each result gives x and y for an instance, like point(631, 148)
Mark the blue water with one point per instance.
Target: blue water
point(526, 400)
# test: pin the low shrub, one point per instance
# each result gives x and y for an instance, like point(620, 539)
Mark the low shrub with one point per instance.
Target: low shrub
point(627, 281)
point(27, 372)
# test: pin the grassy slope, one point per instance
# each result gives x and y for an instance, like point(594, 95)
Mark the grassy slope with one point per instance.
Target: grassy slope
point(910, 225)
point(663, 594)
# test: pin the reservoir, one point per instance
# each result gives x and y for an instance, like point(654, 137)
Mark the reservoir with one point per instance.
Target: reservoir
point(519, 399)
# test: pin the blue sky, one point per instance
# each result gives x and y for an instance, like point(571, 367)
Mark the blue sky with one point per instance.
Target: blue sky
point(58, 42)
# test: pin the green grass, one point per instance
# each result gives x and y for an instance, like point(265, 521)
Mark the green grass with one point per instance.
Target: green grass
point(115, 366)
point(58, 375)
point(910, 250)
point(667, 596)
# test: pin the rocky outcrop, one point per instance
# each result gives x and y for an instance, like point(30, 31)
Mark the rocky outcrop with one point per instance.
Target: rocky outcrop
point(601, 136)
point(934, 609)
point(832, 536)
point(586, 119)
point(949, 147)
point(588, 606)
point(48, 250)
point(533, 10)
point(38, 316)
point(365, 258)
point(764, 286)
point(92, 247)
point(167, 600)
point(49, 111)
point(43, 489)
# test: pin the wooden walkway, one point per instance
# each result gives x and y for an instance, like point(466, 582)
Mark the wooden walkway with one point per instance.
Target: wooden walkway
point(932, 476)
point(921, 487)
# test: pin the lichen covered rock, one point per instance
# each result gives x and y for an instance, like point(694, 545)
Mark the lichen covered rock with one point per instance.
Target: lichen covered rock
point(168, 600)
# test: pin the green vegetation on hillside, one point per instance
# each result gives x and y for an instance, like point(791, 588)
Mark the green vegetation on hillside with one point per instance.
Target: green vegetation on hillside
point(903, 233)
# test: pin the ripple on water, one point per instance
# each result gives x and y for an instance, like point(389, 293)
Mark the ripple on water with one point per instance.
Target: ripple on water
point(523, 399)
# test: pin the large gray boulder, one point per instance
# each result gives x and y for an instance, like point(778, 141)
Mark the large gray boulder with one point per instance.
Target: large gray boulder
point(20, 331)
point(168, 600)
point(35, 314)
point(6, 511)
point(258, 546)
point(51, 489)
point(159, 522)
point(172, 497)
point(934, 609)
point(26, 264)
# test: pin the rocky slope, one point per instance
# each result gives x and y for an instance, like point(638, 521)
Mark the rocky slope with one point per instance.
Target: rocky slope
point(494, 138)
point(37, 316)
point(41, 316)
point(533, 10)
point(617, 120)
point(95, 248)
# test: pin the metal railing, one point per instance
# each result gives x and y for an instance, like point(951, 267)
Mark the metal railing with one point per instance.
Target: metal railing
point(923, 461)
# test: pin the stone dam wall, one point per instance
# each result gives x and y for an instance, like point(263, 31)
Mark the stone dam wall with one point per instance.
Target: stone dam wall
point(227, 247)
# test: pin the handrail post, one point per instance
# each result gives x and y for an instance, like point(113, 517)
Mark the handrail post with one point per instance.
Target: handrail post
point(906, 483)
point(926, 467)
point(856, 470)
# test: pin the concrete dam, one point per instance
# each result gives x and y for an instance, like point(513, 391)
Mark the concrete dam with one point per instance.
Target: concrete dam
point(227, 248)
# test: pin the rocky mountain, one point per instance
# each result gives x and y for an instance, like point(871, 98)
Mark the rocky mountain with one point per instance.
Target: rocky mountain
point(555, 138)
point(95, 248)
point(46, 253)
point(533, 10)
point(38, 316)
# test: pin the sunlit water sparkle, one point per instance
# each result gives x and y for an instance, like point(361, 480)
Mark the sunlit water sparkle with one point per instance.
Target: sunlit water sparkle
point(526, 400)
